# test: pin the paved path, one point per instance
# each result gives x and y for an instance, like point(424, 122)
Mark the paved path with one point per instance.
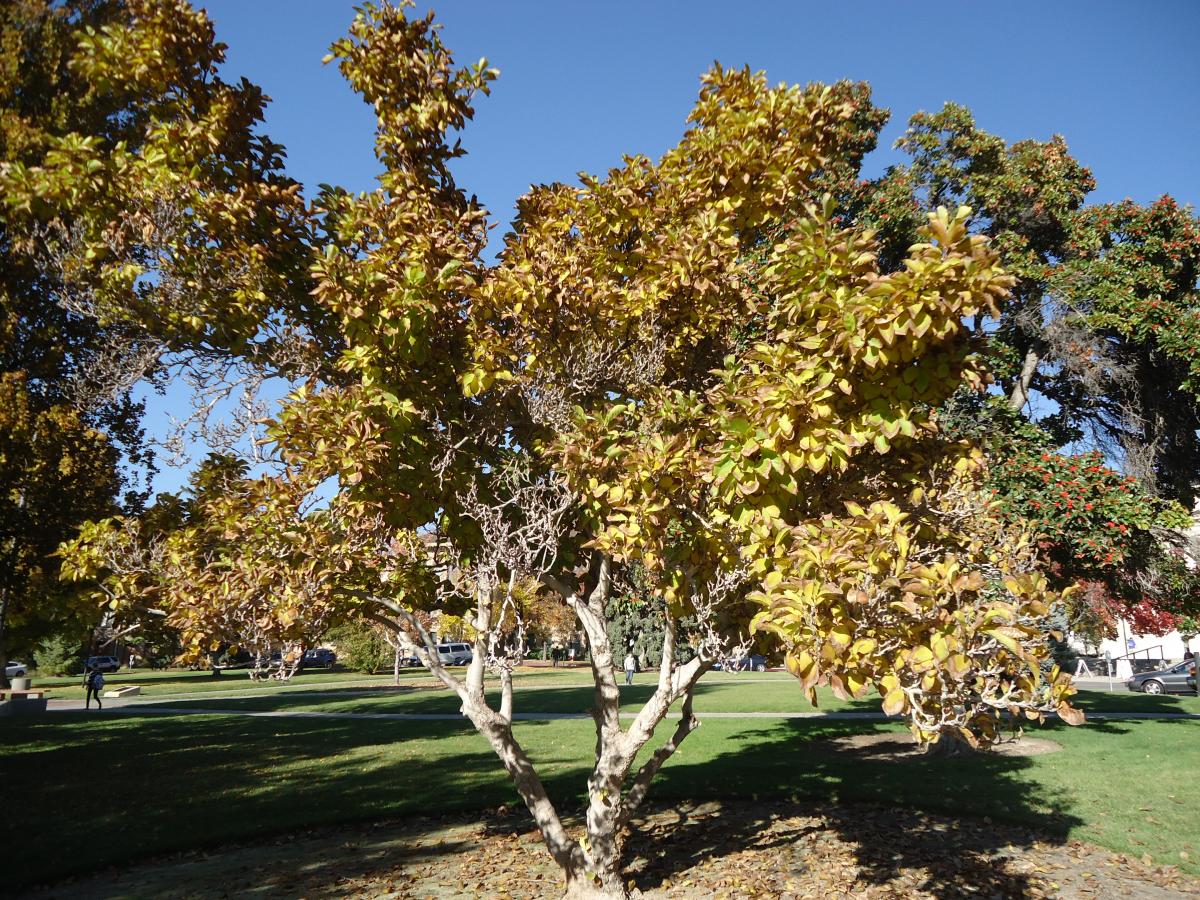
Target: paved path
point(357, 689)
point(149, 709)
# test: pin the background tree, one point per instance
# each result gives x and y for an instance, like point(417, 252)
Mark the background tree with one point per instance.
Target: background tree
point(61, 654)
point(362, 647)
point(1096, 351)
point(120, 152)
point(55, 472)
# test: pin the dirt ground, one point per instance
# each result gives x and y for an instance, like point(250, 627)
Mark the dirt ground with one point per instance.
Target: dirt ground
point(778, 850)
point(897, 747)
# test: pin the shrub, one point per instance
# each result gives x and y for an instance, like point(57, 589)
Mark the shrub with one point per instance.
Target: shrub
point(59, 655)
point(361, 647)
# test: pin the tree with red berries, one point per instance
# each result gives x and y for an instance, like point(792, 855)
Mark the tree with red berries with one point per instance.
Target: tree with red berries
point(1099, 347)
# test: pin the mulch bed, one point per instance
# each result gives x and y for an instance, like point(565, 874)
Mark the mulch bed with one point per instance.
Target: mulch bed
point(779, 849)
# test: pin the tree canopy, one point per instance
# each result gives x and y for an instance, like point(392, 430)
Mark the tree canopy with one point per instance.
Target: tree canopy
point(694, 377)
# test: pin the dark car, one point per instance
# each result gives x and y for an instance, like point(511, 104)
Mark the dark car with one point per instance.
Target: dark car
point(1173, 680)
point(101, 664)
point(319, 657)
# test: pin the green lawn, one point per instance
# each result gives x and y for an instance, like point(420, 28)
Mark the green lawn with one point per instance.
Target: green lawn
point(170, 682)
point(89, 791)
point(553, 692)
point(541, 694)
point(174, 682)
point(556, 690)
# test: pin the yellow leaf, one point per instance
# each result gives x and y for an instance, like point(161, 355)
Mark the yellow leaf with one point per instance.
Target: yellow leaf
point(894, 702)
point(864, 647)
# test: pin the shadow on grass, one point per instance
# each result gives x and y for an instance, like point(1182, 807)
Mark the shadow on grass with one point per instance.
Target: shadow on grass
point(1106, 701)
point(102, 791)
point(98, 791)
point(434, 700)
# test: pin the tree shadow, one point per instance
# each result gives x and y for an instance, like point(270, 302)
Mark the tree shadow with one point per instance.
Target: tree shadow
point(96, 791)
point(103, 791)
point(918, 824)
point(1118, 702)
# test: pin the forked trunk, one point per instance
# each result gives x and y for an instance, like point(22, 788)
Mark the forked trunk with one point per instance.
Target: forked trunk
point(592, 865)
point(949, 745)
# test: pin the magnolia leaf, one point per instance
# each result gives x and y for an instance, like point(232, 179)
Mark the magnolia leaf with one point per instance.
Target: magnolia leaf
point(894, 702)
point(1070, 714)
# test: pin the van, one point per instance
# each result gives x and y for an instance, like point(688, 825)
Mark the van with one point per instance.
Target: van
point(455, 654)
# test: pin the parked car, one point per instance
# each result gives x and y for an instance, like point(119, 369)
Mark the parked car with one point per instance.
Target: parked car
point(455, 654)
point(319, 657)
point(409, 662)
point(751, 663)
point(101, 664)
point(15, 670)
point(1165, 681)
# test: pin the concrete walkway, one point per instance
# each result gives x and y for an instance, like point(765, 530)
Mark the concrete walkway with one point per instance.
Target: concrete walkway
point(149, 709)
point(347, 691)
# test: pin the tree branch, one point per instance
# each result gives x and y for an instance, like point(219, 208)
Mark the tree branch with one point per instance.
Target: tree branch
point(1020, 392)
point(641, 782)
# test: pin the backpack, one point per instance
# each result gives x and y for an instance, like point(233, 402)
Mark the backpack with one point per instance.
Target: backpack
point(97, 682)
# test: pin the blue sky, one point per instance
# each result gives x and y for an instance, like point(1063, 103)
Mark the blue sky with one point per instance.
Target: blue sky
point(582, 83)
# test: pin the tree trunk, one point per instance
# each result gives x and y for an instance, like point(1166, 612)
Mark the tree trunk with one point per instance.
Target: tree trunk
point(591, 866)
point(3, 638)
point(396, 664)
point(595, 885)
point(950, 745)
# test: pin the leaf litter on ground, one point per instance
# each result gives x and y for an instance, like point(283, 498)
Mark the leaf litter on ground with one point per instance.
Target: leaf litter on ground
point(792, 850)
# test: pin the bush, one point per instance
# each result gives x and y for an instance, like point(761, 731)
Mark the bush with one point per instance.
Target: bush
point(362, 648)
point(59, 655)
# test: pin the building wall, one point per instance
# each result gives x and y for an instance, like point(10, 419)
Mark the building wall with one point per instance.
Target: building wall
point(1169, 647)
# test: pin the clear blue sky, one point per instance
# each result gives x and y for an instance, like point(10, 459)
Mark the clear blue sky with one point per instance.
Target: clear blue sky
point(582, 83)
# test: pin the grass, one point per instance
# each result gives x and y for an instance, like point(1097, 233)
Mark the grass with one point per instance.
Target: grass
point(171, 682)
point(542, 694)
point(559, 690)
point(176, 682)
point(554, 692)
point(90, 791)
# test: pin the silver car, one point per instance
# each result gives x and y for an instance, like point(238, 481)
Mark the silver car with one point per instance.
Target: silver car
point(1166, 681)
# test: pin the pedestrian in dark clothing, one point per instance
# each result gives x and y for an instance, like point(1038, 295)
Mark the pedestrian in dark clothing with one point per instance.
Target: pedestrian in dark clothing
point(94, 683)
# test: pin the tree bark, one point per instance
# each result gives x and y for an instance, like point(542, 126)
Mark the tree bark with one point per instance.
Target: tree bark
point(591, 866)
point(1020, 392)
point(4, 637)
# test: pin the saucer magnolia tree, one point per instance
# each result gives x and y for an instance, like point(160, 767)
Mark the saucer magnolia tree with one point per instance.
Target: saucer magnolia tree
point(686, 379)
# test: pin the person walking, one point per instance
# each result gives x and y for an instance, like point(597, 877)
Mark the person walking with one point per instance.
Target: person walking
point(630, 667)
point(94, 683)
